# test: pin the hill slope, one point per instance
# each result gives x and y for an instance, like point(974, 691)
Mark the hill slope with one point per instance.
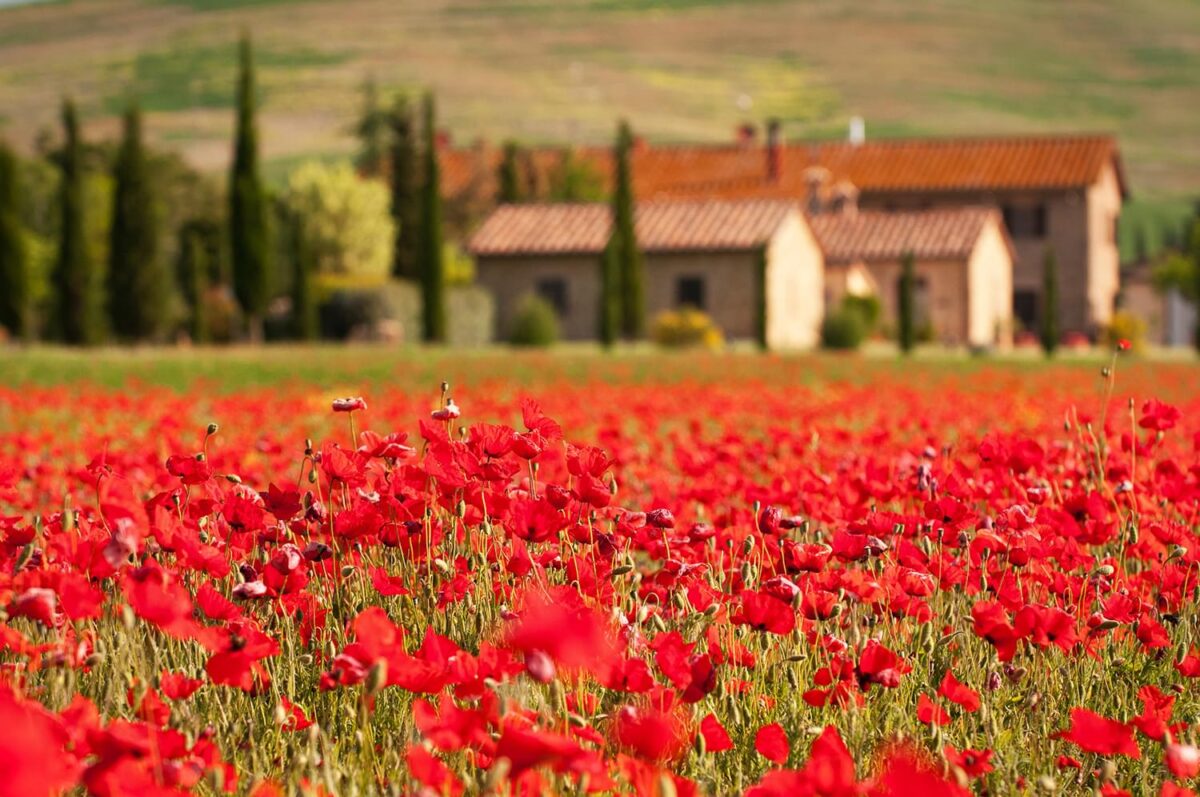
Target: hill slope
point(678, 69)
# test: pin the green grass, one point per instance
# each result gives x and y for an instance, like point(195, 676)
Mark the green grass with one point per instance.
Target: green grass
point(190, 76)
point(228, 370)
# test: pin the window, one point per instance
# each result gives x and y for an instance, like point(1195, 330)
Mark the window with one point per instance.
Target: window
point(1025, 222)
point(1025, 308)
point(689, 291)
point(554, 291)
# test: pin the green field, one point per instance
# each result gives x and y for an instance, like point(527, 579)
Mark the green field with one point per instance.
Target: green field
point(680, 70)
point(366, 367)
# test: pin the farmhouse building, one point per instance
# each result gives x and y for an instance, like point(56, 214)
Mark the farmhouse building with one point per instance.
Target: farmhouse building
point(735, 260)
point(963, 264)
point(738, 259)
point(1060, 193)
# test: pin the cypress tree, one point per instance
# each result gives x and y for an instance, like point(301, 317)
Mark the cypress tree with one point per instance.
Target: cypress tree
point(629, 257)
point(248, 234)
point(509, 174)
point(432, 258)
point(610, 294)
point(305, 325)
point(371, 131)
point(196, 269)
point(138, 282)
point(907, 334)
point(1049, 319)
point(406, 198)
point(14, 256)
point(78, 306)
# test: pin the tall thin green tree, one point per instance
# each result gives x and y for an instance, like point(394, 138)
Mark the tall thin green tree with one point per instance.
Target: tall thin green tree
point(249, 235)
point(15, 305)
point(372, 132)
point(432, 256)
point(610, 295)
point(406, 190)
point(907, 321)
point(78, 305)
point(195, 270)
point(508, 176)
point(305, 324)
point(138, 279)
point(629, 256)
point(1048, 323)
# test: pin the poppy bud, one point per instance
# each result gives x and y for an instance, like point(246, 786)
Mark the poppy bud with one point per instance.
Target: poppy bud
point(127, 617)
point(376, 678)
point(699, 744)
point(212, 429)
point(540, 666)
point(349, 404)
point(347, 571)
point(621, 570)
point(748, 546)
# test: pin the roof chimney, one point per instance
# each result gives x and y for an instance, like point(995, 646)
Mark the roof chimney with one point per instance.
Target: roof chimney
point(774, 150)
point(858, 130)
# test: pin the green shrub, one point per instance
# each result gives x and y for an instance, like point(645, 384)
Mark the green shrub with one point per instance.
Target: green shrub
point(1124, 325)
point(844, 329)
point(536, 323)
point(685, 328)
point(868, 308)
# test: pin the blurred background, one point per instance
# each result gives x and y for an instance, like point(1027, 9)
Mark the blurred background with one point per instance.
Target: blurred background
point(329, 77)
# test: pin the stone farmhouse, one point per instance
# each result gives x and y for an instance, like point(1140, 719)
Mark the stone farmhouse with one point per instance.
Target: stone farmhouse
point(1051, 193)
point(760, 267)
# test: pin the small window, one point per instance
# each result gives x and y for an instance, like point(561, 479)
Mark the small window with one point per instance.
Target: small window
point(1039, 221)
point(554, 291)
point(1025, 222)
point(1025, 307)
point(689, 292)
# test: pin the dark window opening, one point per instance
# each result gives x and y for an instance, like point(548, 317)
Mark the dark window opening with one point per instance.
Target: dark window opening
point(689, 292)
point(1025, 308)
point(1025, 222)
point(554, 291)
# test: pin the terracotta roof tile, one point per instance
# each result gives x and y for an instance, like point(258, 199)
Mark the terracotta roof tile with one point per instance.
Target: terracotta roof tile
point(879, 166)
point(946, 234)
point(662, 226)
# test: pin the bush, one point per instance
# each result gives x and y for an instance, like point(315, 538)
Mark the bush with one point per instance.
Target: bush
point(536, 323)
point(868, 308)
point(844, 329)
point(685, 328)
point(359, 308)
point(1125, 326)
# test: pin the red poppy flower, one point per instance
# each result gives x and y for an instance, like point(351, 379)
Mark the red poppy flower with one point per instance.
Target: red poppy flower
point(716, 738)
point(771, 742)
point(956, 692)
point(931, 713)
point(1097, 734)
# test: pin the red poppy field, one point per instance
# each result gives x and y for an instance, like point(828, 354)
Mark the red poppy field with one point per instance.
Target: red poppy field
point(663, 576)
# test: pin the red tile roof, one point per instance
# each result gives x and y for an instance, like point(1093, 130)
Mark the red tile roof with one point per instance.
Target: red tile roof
point(880, 166)
point(865, 236)
point(666, 226)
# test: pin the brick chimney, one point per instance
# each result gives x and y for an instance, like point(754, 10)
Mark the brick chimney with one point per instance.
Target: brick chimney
point(774, 150)
point(815, 178)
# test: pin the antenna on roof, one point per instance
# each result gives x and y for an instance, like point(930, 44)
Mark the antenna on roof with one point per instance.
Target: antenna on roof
point(858, 130)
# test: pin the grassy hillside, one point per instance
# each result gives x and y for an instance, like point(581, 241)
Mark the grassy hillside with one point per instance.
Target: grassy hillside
point(679, 69)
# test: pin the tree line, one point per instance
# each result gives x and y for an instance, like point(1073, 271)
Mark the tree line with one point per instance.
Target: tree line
point(125, 288)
